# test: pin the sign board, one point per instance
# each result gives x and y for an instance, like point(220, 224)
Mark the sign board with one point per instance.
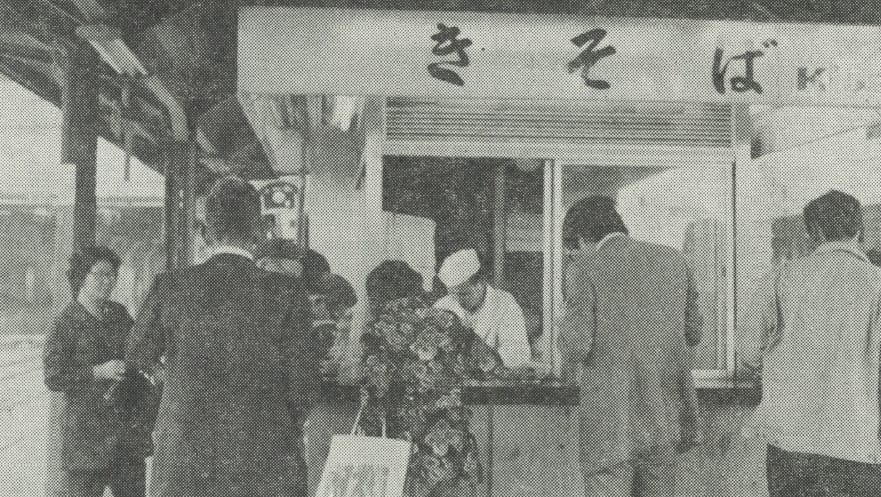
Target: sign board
point(534, 56)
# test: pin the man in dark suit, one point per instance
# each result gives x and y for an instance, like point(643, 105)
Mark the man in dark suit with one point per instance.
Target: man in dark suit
point(630, 316)
point(240, 370)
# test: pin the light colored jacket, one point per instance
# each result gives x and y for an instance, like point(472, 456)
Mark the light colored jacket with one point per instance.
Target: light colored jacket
point(821, 337)
point(630, 315)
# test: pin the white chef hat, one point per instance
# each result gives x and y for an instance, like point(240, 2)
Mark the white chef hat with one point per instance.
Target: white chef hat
point(458, 267)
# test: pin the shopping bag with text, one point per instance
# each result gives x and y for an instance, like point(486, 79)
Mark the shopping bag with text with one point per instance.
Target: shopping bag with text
point(359, 466)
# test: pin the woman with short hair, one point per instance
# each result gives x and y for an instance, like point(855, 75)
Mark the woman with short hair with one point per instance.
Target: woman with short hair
point(415, 361)
point(108, 413)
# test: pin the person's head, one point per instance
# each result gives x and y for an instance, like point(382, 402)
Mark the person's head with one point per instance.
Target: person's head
point(391, 280)
point(92, 273)
point(315, 266)
point(232, 213)
point(280, 256)
point(590, 220)
point(461, 274)
point(834, 216)
point(336, 295)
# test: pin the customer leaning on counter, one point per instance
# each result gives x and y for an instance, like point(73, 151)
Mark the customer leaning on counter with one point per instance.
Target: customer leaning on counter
point(820, 341)
point(241, 371)
point(631, 315)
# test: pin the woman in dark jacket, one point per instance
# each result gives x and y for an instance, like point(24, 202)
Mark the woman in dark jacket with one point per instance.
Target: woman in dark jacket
point(108, 414)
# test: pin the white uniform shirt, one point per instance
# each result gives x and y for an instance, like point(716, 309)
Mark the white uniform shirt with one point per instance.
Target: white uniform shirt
point(499, 322)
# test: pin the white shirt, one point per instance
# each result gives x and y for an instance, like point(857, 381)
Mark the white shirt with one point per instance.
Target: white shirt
point(499, 322)
point(606, 239)
point(229, 249)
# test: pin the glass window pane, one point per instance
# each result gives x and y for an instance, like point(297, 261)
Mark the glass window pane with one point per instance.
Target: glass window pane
point(686, 208)
point(807, 152)
point(459, 195)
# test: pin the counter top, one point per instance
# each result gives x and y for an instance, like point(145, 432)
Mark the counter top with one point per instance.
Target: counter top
point(551, 393)
point(545, 393)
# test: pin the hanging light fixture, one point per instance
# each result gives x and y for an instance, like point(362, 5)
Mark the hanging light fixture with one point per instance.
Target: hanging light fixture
point(108, 42)
point(345, 111)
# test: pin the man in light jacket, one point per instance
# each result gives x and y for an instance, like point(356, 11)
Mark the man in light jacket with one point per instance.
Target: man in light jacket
point(820, 339)
point(630, 317)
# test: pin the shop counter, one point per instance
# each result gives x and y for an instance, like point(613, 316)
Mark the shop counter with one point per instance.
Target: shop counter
point(526, 432)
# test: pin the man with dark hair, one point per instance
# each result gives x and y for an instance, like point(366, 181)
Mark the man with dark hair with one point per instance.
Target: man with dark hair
point(240, 370)
point(835, 216)
point(819, 358)
point(591, 219)
point(315, 266)
point(630, 316)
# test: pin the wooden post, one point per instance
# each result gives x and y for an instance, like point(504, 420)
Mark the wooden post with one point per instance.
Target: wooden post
point(79, 137)
point(188, 206)
point(180, 196)
point(500, 228)
point(75, 206)
point(169, 206)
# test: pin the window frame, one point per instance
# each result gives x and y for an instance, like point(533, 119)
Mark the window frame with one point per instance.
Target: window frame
point(554, 155)
point(723, 373)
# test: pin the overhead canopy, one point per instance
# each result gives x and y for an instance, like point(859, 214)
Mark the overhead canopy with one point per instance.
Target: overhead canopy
point(29, 156)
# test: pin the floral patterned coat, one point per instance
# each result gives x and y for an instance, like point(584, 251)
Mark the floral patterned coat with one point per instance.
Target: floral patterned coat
point(415, 362)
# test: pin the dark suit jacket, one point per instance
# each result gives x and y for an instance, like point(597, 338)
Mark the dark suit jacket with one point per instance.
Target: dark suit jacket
point(240, 373)
point(95, 432)
point(630, 313)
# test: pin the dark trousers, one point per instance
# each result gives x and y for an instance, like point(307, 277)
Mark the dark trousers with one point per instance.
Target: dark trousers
point(794, 474)
point(126, 478)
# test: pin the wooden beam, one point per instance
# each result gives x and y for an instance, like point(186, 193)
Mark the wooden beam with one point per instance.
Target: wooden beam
point(25, 52)
point(92, 10)
point(38, 83)
point(12, 35)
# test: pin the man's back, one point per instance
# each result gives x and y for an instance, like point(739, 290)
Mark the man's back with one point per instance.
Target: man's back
point(238, 369)
point(820, 372)
point(634, 376)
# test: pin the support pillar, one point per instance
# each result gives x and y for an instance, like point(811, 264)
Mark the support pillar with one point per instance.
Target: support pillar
point(500, 226)
point(500, 234)
point(75, 211)
point(180, 201)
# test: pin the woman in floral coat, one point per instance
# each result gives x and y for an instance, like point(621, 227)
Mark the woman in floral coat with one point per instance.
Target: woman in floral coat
point(415, 362)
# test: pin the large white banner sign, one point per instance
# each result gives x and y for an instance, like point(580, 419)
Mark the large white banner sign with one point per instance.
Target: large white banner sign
point(480, 55)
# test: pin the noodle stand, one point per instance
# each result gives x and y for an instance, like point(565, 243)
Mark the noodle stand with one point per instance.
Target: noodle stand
point(671, 117)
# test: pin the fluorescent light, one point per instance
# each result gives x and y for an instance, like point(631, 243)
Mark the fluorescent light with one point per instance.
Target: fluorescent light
point(110, 46)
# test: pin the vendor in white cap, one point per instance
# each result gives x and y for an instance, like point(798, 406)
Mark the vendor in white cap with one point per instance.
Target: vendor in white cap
point(493, 314)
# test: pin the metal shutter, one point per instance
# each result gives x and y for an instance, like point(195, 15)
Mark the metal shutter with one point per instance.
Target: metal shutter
point(668, 125)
